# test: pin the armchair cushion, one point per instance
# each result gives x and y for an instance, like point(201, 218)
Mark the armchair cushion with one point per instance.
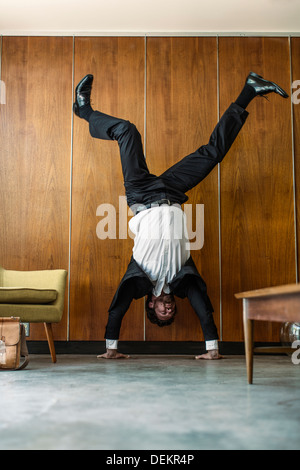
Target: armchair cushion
point(26, 295)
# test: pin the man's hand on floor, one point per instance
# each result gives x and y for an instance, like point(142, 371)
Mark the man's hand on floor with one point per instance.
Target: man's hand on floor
point(211, 355)
point(112, 354)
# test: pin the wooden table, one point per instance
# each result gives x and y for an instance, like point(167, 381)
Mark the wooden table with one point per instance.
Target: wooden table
point(280, 303)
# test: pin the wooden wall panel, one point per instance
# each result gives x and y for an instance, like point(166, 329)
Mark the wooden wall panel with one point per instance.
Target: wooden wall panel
point(97, 266)
point(256, 185)
point(257, 211)
point(181, 113)
point(295, 54)
point(35, 141)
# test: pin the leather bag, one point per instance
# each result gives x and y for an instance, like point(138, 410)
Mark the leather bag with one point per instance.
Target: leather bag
point(13, 345)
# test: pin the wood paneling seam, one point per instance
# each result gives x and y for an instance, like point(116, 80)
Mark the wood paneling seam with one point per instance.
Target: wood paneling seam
point(219, 203)
point(71, 190)
point(293, 160)
point(145, 141)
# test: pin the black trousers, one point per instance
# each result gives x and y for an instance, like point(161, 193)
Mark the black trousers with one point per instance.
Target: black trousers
point(142, 187)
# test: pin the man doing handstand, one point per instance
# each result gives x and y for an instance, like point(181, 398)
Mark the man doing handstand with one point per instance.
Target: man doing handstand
point(161, 266)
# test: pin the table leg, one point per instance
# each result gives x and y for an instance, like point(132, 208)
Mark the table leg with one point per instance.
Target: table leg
point(248, 338)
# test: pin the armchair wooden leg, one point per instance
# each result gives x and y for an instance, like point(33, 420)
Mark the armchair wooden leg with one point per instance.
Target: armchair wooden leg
point(49, 333)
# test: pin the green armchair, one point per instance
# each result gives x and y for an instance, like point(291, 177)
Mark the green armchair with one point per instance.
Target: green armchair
point(35, 297)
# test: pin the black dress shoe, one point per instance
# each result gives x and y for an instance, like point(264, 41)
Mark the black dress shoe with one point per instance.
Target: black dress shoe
point(83, 93)
point(263, 87)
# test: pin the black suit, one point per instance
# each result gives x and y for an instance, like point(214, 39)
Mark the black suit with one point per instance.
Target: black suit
point(142, 187)
point(136, 284)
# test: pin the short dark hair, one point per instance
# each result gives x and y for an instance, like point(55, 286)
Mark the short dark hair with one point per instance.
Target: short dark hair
point(153, 317)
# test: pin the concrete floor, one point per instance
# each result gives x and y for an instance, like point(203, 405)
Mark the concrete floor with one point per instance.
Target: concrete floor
point(150, 403)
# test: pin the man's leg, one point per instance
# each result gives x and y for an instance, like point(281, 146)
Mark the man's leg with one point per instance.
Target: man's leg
point(129, 140)
point(103, 126)
point(192, 169)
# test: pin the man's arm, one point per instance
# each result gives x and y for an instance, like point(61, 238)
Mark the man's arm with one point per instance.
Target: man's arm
point(115, 317)
point(206, 319)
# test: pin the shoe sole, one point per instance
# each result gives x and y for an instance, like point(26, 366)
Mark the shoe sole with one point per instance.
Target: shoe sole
point(75, 109)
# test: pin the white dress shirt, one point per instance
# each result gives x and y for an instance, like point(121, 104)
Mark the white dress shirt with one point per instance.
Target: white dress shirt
point(161, 244)
point(161, 248)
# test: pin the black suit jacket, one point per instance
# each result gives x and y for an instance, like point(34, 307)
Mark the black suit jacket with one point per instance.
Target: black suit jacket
point(135, 284)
